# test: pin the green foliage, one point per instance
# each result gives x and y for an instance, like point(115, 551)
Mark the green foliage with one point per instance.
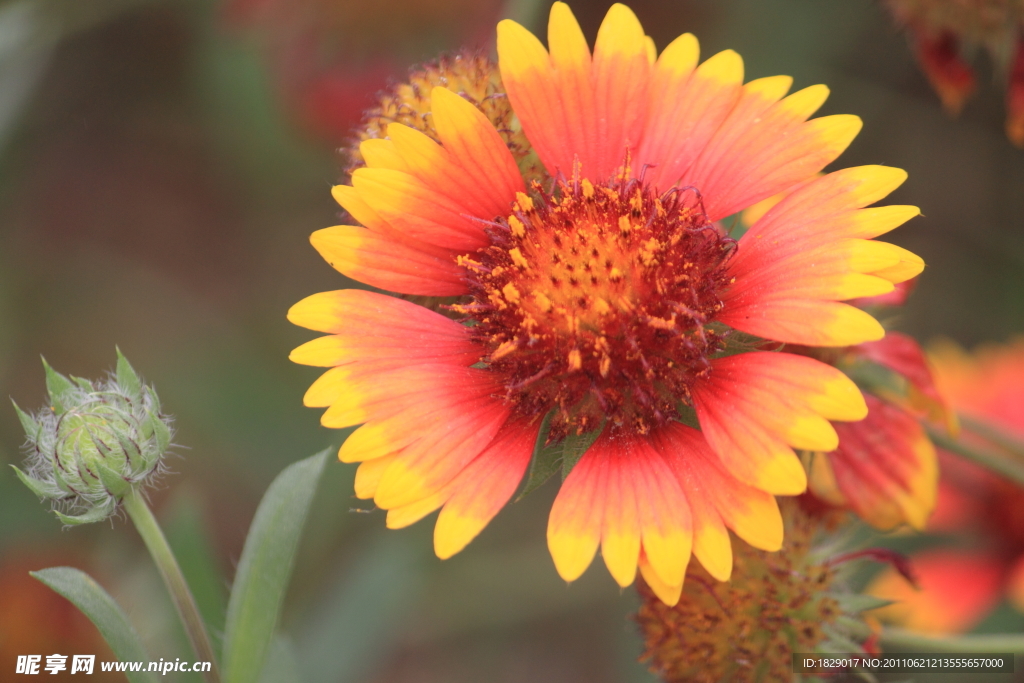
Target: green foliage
point(265, 567)
point(346, 635)
point(561, 455)
point(95, 603)
point(188, 536)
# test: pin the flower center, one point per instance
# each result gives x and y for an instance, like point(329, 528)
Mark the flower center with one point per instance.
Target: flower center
point(595, 301)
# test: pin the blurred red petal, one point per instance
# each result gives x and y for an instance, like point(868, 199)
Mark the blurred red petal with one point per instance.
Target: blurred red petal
point(1015, 97)
point(957, 591)
point(885, 468)
point(903, 355)
point(939, 56)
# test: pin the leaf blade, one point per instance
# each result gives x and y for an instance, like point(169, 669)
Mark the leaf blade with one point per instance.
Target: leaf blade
point(108, 617)
point(265, 567)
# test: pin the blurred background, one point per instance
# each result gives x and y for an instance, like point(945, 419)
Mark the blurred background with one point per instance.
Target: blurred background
point(162, 165)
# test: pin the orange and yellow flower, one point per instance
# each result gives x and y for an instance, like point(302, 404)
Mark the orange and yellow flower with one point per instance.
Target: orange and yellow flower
point(885, 468)
point(958, 586)
point(606, 300)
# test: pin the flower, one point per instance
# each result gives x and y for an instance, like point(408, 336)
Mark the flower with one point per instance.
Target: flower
point(472, 75)
point(605, 303)
point(794, 601)
point(942, 30)
point(885, 468)
point(94, 442)
point(960, 585)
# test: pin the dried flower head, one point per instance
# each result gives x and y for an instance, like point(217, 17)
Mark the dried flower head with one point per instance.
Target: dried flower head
point(469, 73)
point(793, 600)
point(93, 442)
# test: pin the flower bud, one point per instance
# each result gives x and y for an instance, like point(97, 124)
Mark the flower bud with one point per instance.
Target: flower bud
point(94, 442)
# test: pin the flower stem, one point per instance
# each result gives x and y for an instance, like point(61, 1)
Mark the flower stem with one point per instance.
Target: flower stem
point(165, 561)
point(1000, 464)
point(990, 432)
point(996, 642)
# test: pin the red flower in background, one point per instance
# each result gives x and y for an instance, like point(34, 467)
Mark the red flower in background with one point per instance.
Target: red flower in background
point(885, 467)
point(959, 586)
point(942, 31)
point(328, 58)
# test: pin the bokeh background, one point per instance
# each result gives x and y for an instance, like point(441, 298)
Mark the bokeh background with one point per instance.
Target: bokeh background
point(162, 165)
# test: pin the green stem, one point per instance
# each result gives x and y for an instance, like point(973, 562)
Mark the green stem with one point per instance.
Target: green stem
point(1000, 464)
point(165, 561)
point(989, 432)
point(997, 642)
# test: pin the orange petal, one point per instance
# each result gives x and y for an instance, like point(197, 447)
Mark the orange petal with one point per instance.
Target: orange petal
point(621, 78)
point(773, 137)
point(477, 152)
point(577, 516)
point(484, 487)
point(685, 108)
point(754, 407)
point(418, 210)
point(571, 106)
point(939, 56)
point(665, 517)
point(535, 94)
point(804, 321)
point(886, 468)
point(370, 391)
point(667, 593)
point(717, 500)
point(904, 356)
point(439, 454)
point(377, 260)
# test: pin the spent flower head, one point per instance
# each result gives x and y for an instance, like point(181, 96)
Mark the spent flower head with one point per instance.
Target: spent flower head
point(469, 73)
point(791, 601)
point(93, 442)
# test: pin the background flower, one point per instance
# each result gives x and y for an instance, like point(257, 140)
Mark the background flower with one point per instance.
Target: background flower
point(960, 585)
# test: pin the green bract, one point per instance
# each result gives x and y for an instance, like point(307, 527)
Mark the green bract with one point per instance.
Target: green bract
point(93, 442)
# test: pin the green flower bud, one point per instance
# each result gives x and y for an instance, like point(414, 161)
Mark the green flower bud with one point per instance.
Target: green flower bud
point(94, 442)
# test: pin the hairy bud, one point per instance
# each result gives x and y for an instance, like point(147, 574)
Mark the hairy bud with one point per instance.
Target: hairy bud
point(93, 442)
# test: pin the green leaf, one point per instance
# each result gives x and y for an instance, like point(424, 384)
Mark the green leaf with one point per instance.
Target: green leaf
point(561, 455)
point(265, 567)
point(115, 484)
point(355, 625)
point(282, 664)
point(545, 462)
point(30, 426)
point(40, 488)
point(127, 377)
point(95, 603)
point(96, 514)
point(573, 448)
point(189, 537)
point(161, 430)
point(855, 603)
point(57, 385)
point(131, 451)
